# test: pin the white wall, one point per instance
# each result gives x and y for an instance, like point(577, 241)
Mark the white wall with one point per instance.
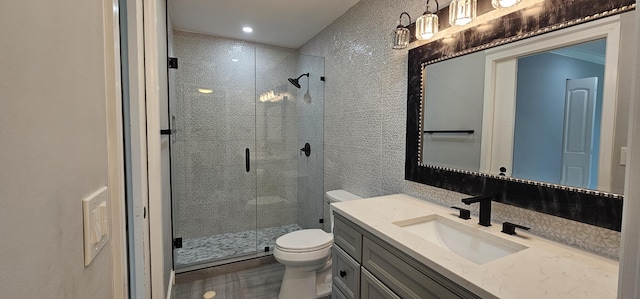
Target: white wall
point(54, 147)
point(628, 286)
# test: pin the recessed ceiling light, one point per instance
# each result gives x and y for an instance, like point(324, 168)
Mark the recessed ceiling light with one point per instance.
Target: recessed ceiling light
point(235, 60)
point(204, 90)
point(247, 29)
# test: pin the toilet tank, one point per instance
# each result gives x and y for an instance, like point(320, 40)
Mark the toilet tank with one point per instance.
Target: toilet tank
point(341, 195)
point(338, 196)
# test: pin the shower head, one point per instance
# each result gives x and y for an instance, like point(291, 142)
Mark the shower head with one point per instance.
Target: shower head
point(295, 81)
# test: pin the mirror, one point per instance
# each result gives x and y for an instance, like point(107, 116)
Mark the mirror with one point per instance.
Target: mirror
point(482, 135)
point(453, 117)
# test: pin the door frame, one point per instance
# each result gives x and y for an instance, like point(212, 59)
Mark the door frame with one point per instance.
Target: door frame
point(156, 88)
point(115, 147)
point(499, 95)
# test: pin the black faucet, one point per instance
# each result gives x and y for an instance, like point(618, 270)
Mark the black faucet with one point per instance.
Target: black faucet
point(485, 208)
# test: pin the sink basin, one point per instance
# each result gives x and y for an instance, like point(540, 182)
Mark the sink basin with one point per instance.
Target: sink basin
point(470, 243)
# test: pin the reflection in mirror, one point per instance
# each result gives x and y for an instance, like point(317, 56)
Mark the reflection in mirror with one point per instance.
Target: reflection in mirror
point(558, 114)
point(545, 120)
point(454, 104)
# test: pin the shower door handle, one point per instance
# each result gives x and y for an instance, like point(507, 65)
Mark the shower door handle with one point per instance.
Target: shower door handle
point(246, 155)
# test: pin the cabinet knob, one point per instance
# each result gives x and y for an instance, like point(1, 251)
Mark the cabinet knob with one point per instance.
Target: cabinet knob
point(343, 273)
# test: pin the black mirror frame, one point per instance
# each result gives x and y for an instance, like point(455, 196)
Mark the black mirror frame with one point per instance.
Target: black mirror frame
point(593, 207)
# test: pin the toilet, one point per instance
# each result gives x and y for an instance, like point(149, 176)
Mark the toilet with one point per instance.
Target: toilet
point(306, 255)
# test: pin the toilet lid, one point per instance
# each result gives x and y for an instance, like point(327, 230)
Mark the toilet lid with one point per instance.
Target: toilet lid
point(304, 240)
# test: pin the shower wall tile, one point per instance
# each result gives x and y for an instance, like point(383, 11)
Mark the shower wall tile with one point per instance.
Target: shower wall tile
point(207, 152)
point(314, 186)
point(276, 125)
point(275, 211)
point(237, 216)
point(311, 129)
point(308, 214)
point(241, 126)
point(310, 165)
point(270, 177)
point(290, 192)
point(216, 127)
point(365, 119)
point(310, 99)
point(287, 106)
point(241, 102)
point(273, 127)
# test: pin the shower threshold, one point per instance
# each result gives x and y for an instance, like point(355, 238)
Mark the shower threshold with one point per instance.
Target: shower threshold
point(226, 246)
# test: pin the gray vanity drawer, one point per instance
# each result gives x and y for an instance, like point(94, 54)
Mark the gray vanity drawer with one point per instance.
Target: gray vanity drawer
point(336, 294)
point(399, 276)
point(346, 273)
point(372, 288)
point(349, 239)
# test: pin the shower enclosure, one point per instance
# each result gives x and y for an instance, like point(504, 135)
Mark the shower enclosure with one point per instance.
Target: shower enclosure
point(239, 178)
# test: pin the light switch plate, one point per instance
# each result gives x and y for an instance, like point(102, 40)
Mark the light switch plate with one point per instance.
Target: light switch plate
point(623, 156)
point(95, 210)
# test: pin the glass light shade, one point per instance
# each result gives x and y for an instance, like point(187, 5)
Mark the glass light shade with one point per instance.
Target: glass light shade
point(400, 37)
point(504, 3)
point(426, 26)
point(462, 12)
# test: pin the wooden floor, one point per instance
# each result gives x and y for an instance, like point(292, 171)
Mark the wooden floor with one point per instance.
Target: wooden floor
point(261, 282)
point(257, 283)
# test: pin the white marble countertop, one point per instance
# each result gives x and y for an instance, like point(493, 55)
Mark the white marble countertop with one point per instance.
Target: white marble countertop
point(543, 270)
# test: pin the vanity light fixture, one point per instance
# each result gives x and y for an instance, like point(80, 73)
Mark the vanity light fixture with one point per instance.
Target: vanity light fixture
point(462, 12)
point(401, 34)
point(504, 3)
point(427, 24)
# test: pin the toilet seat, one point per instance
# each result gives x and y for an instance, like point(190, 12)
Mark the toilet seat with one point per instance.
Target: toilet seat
point(306, 240)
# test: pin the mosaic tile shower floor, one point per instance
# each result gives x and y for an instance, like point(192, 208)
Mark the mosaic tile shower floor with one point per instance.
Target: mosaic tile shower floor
point(223, 246)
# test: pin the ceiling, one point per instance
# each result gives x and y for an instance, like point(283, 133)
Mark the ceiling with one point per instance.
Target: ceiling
point(286, 23)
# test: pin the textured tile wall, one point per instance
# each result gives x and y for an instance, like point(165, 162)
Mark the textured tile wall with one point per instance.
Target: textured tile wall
point(365, 114)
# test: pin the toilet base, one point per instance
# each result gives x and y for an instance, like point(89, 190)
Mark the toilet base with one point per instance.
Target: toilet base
point(304, 282)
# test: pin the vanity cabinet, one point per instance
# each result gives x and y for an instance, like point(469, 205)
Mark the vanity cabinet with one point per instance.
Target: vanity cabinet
point(366, 267)
point(346, 273)
point(371, 287)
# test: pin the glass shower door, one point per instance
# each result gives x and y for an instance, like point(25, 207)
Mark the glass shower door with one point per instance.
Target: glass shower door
point(290, 183)
point(213, 179)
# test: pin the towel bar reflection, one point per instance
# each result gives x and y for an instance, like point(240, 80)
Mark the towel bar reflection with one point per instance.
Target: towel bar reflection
point(449, 131)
